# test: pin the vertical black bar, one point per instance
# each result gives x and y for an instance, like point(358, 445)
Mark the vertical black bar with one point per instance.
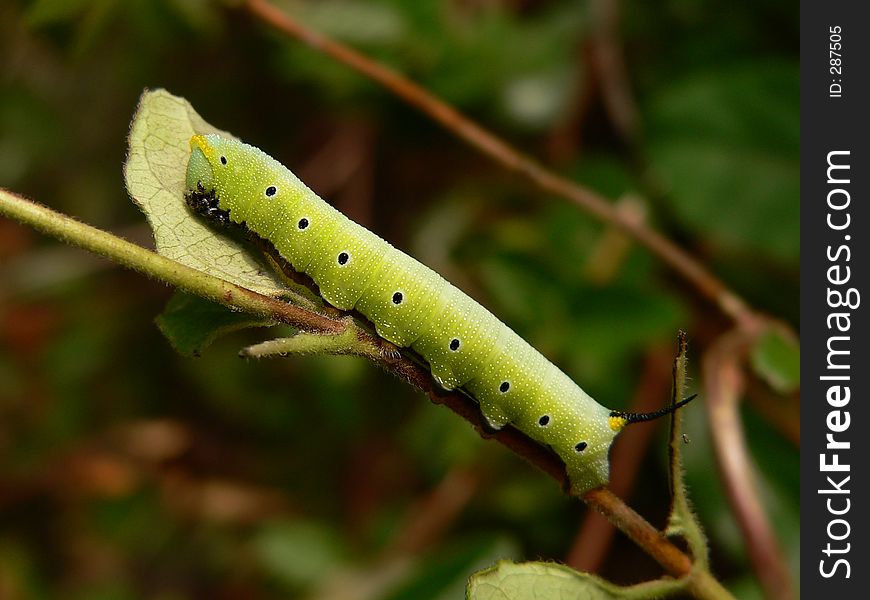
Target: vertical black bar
point(835, 261)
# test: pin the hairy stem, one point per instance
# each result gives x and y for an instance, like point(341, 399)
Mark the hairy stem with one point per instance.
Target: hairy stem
point(593, 538)
point(152, 264)
point(674, 561)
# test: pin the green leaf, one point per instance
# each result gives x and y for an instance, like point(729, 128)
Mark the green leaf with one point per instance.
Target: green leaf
point(537, 580)
point(725, 145)
point(155, 174)
point(191, 323)
point(777, 359)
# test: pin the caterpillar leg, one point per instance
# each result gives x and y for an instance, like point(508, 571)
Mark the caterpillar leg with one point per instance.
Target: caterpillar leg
point(389, 349)
point(495, 417)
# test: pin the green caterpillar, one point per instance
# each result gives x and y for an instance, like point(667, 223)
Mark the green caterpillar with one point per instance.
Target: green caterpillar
point(409, 304)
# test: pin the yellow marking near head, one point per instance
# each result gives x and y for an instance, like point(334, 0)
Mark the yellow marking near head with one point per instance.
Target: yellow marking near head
point(617, 422)
point(200, 141)
point(199, 169)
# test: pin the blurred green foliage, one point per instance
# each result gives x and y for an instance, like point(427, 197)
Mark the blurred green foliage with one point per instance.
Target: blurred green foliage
point(128, 471)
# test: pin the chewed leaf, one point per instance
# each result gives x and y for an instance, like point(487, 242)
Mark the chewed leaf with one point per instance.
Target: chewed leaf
point(155, 172)
point(527, 581)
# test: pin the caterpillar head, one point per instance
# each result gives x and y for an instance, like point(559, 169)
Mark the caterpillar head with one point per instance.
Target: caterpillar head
point(587, 460)
point(221, 174)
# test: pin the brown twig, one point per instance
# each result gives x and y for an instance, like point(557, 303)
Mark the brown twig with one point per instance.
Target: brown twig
point(707, 284)
point(150, 263)
point(608, 64)
point(724, 383)
point(593, 538)
point(638, 529)
point(671, 558)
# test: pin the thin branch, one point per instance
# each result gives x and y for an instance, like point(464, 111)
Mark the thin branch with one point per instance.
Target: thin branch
point(724, 382)
point(154, 265)
point(701, 583)
point(608, 63)
point(675, 562)
point(707, 284)
point(634, 526)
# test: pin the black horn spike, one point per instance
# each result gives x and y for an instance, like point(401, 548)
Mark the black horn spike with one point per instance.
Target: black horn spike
point(631, 417)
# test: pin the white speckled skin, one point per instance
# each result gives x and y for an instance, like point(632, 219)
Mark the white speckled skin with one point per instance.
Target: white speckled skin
point(410, 305)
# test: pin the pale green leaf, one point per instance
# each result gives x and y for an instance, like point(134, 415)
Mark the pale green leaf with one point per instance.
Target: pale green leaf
point(550, 581)
point(155, 174)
